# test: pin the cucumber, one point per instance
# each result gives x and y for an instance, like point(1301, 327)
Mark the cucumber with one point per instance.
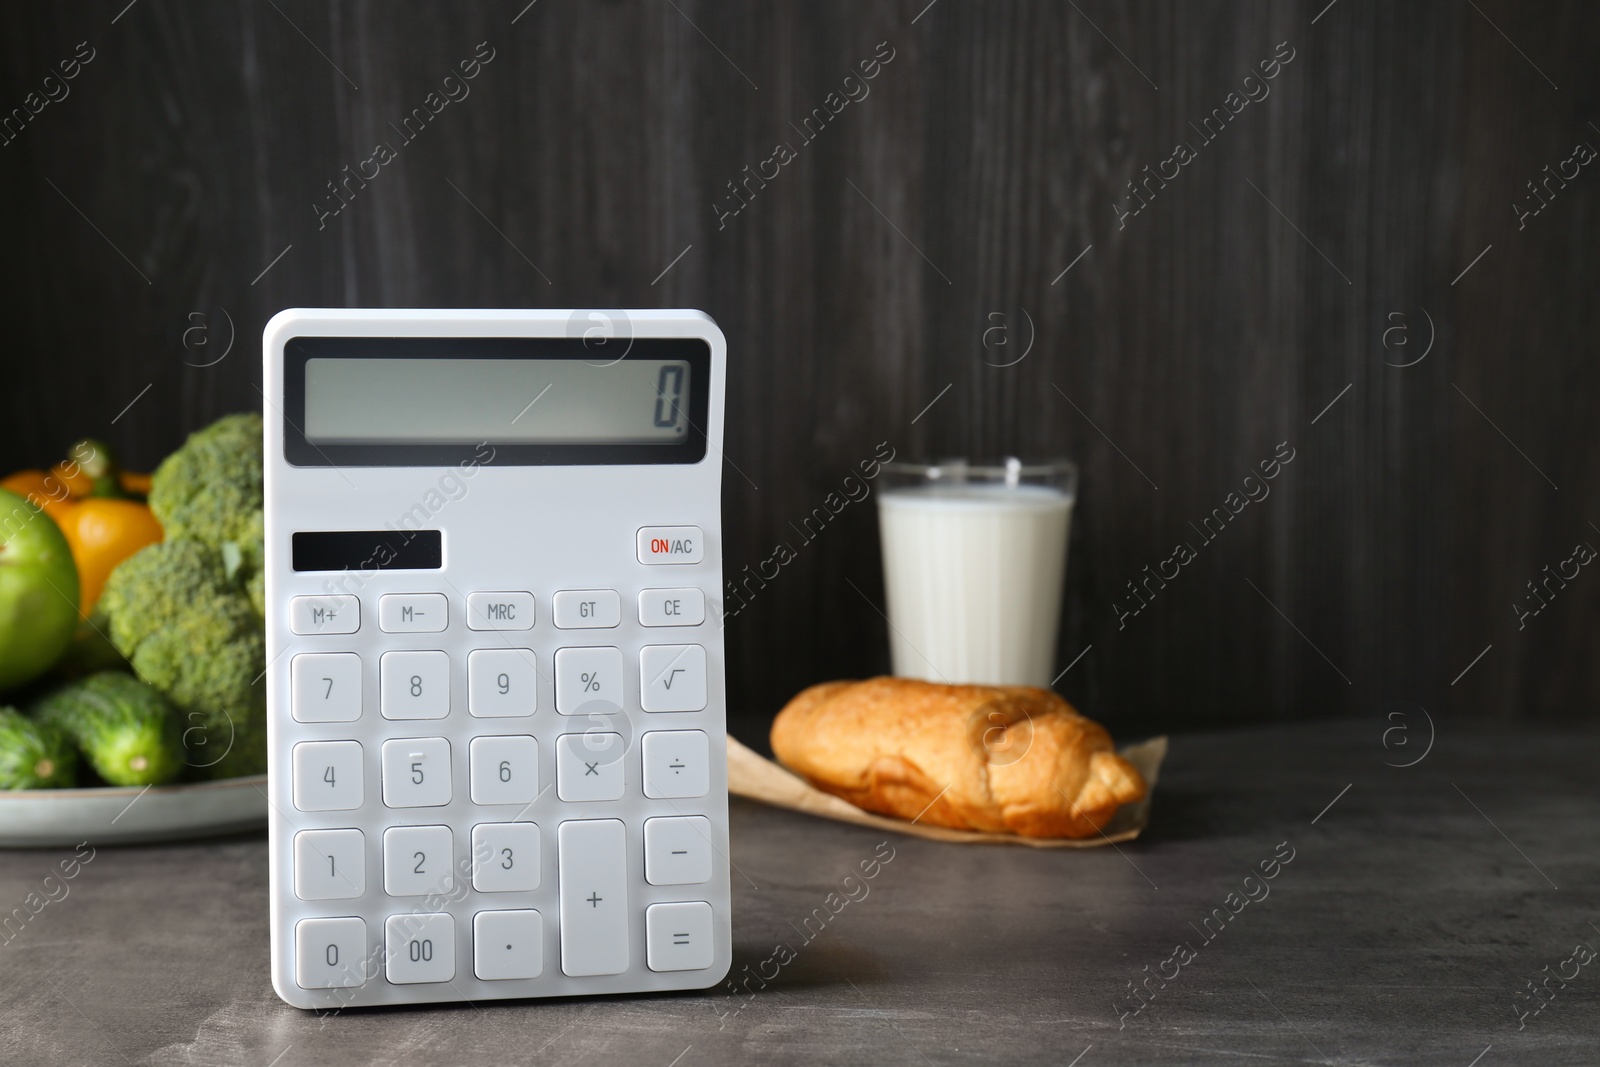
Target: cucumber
point(34, 755)
point(126, 729)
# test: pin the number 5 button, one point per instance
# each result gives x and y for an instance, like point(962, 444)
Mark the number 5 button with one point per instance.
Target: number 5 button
point(416, 772)
point(672, 677)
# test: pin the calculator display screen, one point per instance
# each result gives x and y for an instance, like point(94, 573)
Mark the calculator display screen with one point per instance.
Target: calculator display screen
point(516, 401)
point(502, 401)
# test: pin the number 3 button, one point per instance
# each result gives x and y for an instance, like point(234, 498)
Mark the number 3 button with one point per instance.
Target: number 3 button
point(505, 857)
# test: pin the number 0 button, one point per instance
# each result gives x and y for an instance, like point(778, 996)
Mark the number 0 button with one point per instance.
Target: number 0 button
point(414, 685)
point(330, 953)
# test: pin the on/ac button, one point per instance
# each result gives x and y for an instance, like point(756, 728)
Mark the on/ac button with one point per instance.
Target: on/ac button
point(671, 544)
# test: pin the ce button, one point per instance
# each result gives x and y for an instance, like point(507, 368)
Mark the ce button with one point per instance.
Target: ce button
point(672, 607)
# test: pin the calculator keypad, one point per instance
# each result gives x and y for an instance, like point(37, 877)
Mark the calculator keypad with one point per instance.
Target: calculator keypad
point(596, 760)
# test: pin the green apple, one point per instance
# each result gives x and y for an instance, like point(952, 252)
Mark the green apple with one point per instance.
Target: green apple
point(38, 591)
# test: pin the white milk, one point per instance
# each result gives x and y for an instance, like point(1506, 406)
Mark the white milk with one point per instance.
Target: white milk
point(974, 575)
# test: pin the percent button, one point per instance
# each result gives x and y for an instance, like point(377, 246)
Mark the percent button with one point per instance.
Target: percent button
point(588, 680)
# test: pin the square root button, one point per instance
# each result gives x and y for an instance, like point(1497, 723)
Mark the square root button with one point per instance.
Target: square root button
point(672, 677)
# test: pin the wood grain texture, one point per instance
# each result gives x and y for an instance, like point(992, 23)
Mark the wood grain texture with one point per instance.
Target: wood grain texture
point(1184, 346)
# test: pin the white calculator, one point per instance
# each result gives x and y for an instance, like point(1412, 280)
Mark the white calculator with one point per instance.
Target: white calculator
point(495, 666)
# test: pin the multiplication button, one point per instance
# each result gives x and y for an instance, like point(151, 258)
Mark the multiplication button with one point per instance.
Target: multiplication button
point(500, 611)
point(330, 953)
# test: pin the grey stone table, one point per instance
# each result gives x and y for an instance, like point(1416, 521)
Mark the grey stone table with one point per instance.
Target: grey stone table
point(1408, 912)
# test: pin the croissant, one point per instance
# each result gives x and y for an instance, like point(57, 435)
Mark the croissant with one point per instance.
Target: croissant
point(973, 757)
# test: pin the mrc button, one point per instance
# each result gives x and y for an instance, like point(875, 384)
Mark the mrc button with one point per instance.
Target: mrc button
point(671, 544)
point(500, 611)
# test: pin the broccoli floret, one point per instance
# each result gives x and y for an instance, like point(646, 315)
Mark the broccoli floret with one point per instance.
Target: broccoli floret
point(210, 490)
point(191, 632)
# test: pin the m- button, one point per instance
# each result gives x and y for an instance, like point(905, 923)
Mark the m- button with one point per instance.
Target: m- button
point(671, 544)
point(413, 613)
point(500, 611)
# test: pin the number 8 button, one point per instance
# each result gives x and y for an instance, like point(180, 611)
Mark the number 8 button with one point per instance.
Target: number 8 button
point(414, 685)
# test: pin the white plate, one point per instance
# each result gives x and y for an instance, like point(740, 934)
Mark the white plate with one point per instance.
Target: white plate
point(127, 814)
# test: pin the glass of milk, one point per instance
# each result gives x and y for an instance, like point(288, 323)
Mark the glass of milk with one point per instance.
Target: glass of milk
point(973, 560)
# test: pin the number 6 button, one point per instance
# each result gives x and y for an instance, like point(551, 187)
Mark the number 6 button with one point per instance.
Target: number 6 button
point(504, 770)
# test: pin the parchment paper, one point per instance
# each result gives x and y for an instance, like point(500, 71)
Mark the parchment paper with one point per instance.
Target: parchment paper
point(749, 775)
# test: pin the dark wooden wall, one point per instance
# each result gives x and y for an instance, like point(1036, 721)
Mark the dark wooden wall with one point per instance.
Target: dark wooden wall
point(1178, 352)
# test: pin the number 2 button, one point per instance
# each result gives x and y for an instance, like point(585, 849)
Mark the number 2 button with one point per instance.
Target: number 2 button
point(414, 685)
